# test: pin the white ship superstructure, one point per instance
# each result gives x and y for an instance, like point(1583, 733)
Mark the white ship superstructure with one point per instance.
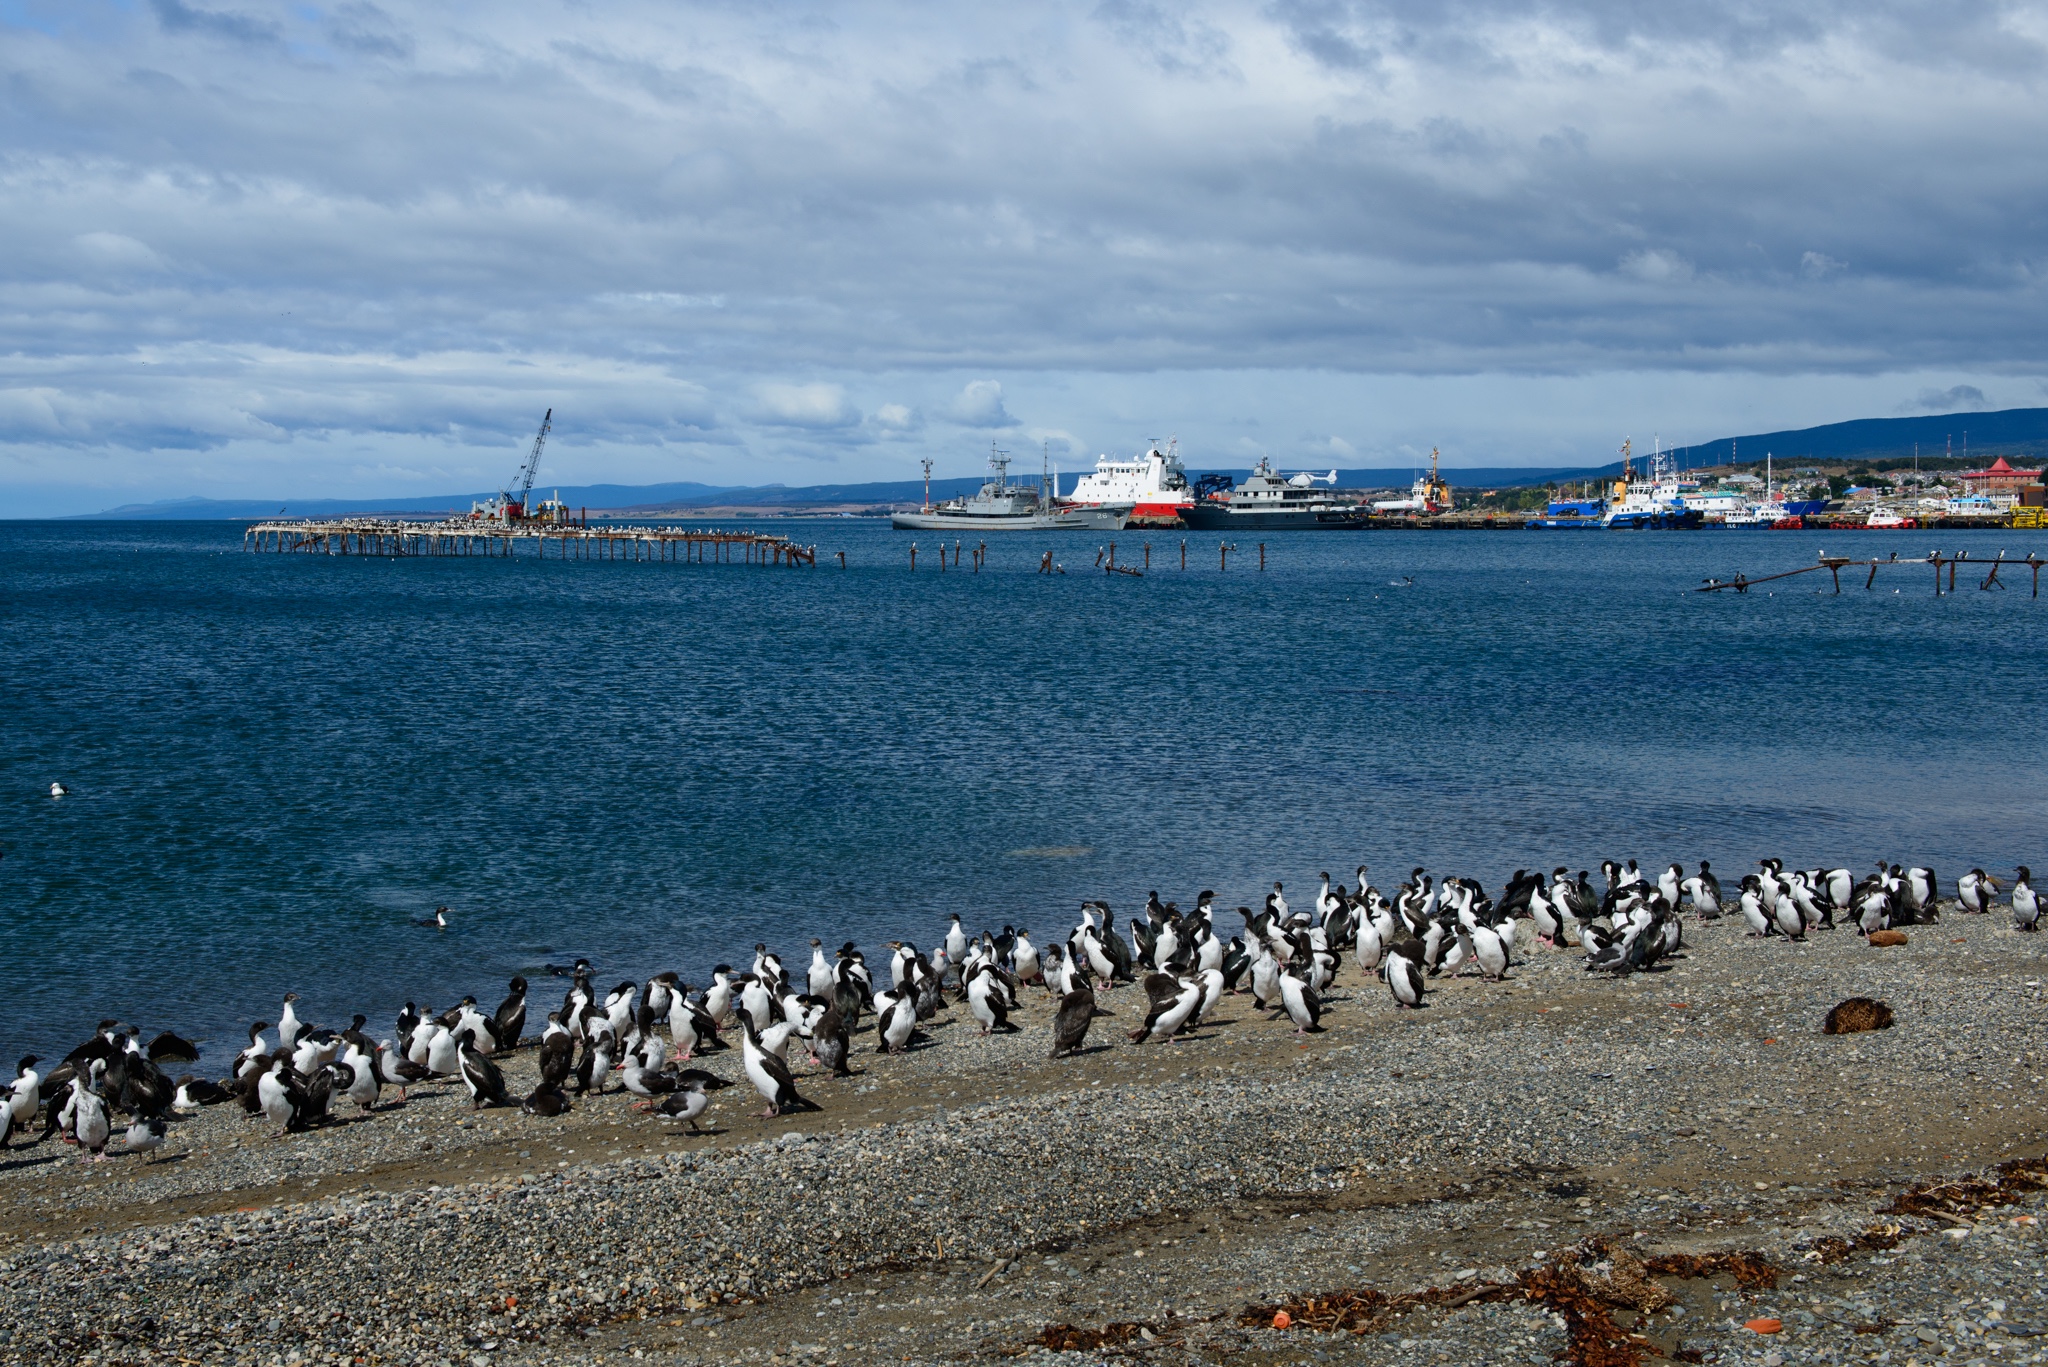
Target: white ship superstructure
point(1153, 486)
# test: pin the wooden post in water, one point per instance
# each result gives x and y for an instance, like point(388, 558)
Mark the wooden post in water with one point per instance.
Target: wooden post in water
point(1183, 552)
point(1991, 580)
point(1112, 555)
point(913, 555)
point(1262, 557)
point(1148, 555)
point(1223, 556)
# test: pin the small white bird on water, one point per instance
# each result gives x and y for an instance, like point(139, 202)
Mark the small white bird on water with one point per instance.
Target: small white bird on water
point(59, 790)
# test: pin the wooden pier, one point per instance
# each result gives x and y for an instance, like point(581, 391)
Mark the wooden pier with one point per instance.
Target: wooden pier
point(1835, 564)
point(572, 541)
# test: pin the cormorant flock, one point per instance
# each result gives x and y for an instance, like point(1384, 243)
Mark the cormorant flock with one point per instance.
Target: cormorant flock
point(649, 1034)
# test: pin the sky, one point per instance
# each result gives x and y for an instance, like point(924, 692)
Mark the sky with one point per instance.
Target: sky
point(321, 250)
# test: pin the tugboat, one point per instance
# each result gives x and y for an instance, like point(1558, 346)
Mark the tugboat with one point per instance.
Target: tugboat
point(1001, 506)
point(1266, 502)
point(1429, 495)
point(1654, 501)
point(1151, 491)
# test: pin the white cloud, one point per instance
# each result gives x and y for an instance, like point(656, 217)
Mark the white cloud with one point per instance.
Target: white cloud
point(896, 418)
point(817, 406)
point(980, 404)
point(232, 226)
point(1656, 265)
point(117, 251)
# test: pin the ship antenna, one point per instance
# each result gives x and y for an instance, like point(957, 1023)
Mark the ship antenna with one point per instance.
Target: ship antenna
point(927, 483)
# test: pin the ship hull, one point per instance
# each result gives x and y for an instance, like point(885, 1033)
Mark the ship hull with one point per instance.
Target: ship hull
point(1203, 519)
point(1066, 520)
point(1656, 520)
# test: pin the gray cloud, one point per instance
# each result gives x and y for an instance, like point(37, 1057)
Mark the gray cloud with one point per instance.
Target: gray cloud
point(709, 229)
point(1960, 397)
point(180, 18)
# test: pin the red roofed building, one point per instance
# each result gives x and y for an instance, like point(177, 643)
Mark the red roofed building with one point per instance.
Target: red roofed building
point(1999, 478)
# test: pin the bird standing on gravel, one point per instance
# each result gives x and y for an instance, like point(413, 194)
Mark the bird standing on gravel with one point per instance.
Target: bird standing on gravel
point(86, 1123)
point(23, 1098)
point(481, 1076)
point(2026, 907)
point(1173, 1001)
point(279, 1095)
point(1070, 1023)
point(646, 1083)
point(770, 1075)
point(1302, 1005)
point(685, 1105)
point(1705, 891)
point(143, 1136)
point(1403, 973)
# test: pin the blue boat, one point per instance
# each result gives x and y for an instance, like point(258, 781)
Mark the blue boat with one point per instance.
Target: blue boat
point(1572, 514)
point(1654, 502)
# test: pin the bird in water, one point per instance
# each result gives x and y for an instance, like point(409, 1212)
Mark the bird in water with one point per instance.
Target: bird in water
point(59, 790)
point(438, 921)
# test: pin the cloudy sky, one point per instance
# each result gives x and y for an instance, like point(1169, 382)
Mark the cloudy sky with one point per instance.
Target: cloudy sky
point(355, 249)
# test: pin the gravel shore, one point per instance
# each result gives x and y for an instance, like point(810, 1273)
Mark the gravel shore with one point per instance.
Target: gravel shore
point(955, 1202)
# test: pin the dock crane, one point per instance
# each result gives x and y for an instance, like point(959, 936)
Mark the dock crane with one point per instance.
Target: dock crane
point(519, 508)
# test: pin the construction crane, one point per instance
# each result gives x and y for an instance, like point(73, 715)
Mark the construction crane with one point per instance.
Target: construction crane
point(528, 471)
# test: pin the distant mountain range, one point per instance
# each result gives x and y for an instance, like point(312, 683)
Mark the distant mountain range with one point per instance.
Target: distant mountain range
point(2011, 432)
point(648, 499)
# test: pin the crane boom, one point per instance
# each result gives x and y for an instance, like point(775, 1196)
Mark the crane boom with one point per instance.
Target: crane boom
point(526, 476)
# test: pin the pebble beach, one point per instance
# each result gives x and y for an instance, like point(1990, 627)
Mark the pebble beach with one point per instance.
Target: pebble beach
point(973, 1200)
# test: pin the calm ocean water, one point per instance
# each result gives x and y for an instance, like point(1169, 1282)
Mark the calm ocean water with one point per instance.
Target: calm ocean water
point(277, 762)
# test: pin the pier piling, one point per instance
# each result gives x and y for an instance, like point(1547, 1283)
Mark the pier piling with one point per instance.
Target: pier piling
point(1834, 565)
point(464, 536)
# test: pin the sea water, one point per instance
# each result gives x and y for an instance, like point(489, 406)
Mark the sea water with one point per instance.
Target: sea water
point(278, 762)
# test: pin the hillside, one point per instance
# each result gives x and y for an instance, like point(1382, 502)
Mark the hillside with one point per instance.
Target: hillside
point(2011, 432)
point(2014, 432)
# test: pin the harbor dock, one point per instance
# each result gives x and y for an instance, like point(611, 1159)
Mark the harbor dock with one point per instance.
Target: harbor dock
point(491, 537)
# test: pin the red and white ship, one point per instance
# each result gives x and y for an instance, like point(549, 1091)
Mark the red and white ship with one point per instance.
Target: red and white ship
point(1151, 489)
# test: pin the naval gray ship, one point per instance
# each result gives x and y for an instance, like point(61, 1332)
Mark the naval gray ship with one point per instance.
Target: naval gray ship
point(1001, 506)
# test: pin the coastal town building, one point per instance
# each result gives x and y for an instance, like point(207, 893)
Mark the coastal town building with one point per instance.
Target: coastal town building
point(2005, 486)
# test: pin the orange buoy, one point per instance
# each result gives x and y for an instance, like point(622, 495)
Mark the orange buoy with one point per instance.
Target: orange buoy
point(1281, 1319)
